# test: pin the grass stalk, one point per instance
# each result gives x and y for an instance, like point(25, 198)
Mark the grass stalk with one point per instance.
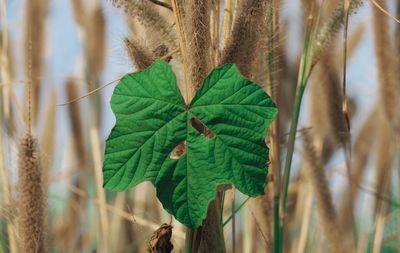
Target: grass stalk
point(273, 42)
point(5, 114)
point(100, 192)
point(304, 73)
point(227, 21)
point(305, 222)
point(6, 66)
point(178, 10)
point(5, 188)
point(235, 210)
point(277, 226)
point(302, 81)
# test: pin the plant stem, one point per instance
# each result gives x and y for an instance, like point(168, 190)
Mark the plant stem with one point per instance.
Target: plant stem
point(273, 43)
point(233, 222)
point(189, 240)
point(221, 213)
point(291, 142)
point(277, 243)
point(301, 84)
point(235, 211)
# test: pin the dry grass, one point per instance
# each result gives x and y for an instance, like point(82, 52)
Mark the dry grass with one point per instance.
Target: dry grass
point(389, 87)
point(320, 186)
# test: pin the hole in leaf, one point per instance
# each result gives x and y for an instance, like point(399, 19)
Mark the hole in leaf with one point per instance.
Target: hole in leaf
point(178, 151)
point(201, 128)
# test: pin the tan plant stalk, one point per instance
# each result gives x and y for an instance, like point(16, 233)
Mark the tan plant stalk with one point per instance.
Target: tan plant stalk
point(241, 47)
point(272, 62)
point(229, 8)
point(95, 42)
point(48, 136)
point(397, 36)
point(34, 45)
point(162, 4)
point(179, 10)
point(79, 12)
point(77, 128)
point(383, 170)
point(383, 162)
point(76, 204)
point(325, 208)
point(264, 212)
point(354, 40)
point(310, 8)
point(215, 31)
point(94, 48)
point(6, 115)
point(389, 86)
point(31, 197)
point(6, 200)
point(305, 218)
point(379, 229)
point(116, 242)
point(361, 153)
point(330, 29)
point(7, 73)
point(100, 192)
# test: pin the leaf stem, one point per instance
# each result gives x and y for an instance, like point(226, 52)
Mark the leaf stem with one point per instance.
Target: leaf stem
point(277, 244)
point(189, 240)
point(221, 214)
point(236, 210)
point(273, 42)
point(301, 84)
point(303, 77)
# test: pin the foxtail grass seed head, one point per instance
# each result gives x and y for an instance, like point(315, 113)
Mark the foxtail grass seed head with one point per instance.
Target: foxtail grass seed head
point(140, 55)
point(144, 13)
point(329, 30)
point(327, 117)
point(31, 197)
point(241, 47)
point(199, 58)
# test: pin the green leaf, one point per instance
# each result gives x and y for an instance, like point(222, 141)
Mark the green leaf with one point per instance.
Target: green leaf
point(232, 115)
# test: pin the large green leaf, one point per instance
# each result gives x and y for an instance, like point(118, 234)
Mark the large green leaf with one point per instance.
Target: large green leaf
point(152, 119)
